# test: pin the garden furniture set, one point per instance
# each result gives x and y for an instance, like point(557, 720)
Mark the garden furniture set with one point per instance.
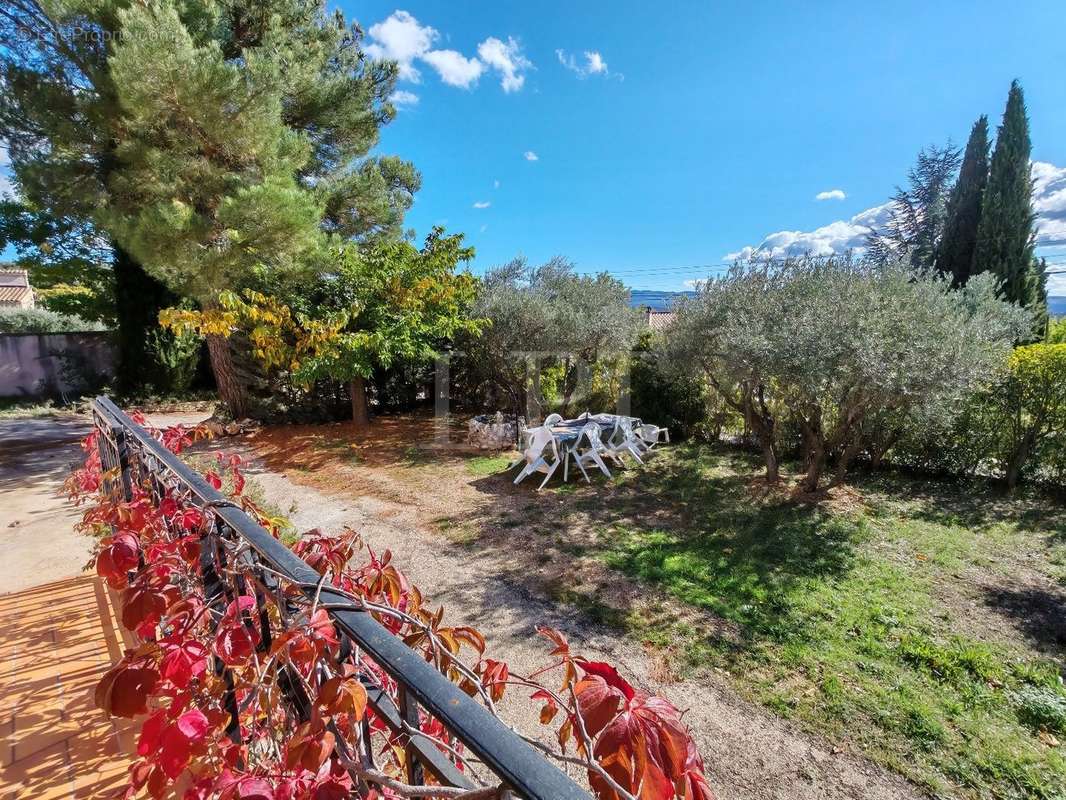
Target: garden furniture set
point(591, 440)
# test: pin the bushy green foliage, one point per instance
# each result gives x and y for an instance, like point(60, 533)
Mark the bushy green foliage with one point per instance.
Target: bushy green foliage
point(1056, 331)
point(954, 256)
point(554, 337)
point(180, 355)
point(213, 139)
point(385, 304)
point(41, 320)
point(664, 395)
point(919, 212)
point(68, 262)
point(1031, 403)
point(838, 347)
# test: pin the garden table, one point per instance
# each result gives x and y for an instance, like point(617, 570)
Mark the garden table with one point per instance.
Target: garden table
point(568, 430)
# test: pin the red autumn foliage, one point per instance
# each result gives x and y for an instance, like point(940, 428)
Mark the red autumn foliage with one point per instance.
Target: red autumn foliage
point(119, 555)
point(125, 688)
point(207, 681)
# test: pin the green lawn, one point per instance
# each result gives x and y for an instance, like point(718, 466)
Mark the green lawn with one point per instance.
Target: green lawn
point(897, 622)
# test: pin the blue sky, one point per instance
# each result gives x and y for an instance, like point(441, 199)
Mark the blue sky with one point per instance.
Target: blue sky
point(677, 134)
point(698, 129)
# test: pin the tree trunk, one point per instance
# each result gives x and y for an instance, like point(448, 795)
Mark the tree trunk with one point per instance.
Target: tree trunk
point(1017, 460)
point(138, 299)
point(815, 465)
point(769, 454)
point(814, 441)
point(230, 389)
point(761, 422)
point(846, 457)
point(360, 410)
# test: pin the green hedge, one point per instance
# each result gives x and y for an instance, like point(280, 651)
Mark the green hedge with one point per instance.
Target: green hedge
point(41, 320)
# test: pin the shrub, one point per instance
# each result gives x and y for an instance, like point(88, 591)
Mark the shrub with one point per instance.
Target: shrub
point(553, 336)
point(41, 320)
point(666, 396)
point(1056, 331)
point(1032, 404)
point(179, 354)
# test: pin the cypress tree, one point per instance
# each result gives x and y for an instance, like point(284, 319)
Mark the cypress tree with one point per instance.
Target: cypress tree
point(1005, 238)
point(954, 256)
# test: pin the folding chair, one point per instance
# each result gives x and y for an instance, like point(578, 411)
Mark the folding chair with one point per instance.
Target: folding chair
point(541, 442)
point(590, 432)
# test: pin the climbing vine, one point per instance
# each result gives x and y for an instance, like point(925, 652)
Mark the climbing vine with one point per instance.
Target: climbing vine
point(213, 675)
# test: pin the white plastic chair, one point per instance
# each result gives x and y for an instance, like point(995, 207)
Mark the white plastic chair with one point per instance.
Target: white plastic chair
point(552, 419)
point(624, 441)
point(651, 435)
point(541, 442)
point(590, 432)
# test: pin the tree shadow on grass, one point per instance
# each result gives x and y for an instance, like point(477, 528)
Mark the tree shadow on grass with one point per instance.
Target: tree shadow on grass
point(968, 502)
point(1038, 613)
point(696, 527)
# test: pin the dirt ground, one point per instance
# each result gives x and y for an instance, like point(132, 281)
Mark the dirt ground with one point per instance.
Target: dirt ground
point(454, 533)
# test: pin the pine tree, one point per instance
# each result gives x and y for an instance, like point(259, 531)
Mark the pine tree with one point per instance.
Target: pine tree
point(203, 139)
point(954, 257)
point(1005, 238)
point(58, 115)
point(918, 212)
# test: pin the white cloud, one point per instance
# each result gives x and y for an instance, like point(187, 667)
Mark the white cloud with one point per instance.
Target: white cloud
point(529, 155)
point(507, 59)
point(454, 68)
point(401, 38)
point(402, 98)
point(836, 237)
point(482, 204)
point(694, 285)
point(593, 64)
point(831, 194)
point(1049, 201)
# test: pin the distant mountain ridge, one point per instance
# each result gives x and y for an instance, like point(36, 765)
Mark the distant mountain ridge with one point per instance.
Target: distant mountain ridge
point(664, 301)
point(657, 301)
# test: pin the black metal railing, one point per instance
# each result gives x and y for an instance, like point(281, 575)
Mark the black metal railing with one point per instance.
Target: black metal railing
point(131, 456)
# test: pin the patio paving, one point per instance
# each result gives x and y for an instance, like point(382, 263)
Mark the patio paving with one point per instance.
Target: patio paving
point(58, 640)
point(59, 632)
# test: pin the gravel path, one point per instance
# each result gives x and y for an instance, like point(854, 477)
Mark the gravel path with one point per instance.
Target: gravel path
point(750, 753)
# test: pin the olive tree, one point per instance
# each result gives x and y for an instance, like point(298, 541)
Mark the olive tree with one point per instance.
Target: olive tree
point(835, 344)
point(543, 319)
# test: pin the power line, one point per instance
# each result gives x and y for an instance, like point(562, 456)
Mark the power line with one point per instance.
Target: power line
point(707, 268)
point(723, 265)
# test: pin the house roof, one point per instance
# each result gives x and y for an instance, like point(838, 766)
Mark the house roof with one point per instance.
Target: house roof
point(659, 320)
point(14, 286)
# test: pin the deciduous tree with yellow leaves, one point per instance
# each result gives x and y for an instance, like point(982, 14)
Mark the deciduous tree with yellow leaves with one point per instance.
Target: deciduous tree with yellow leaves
point(379, 304)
